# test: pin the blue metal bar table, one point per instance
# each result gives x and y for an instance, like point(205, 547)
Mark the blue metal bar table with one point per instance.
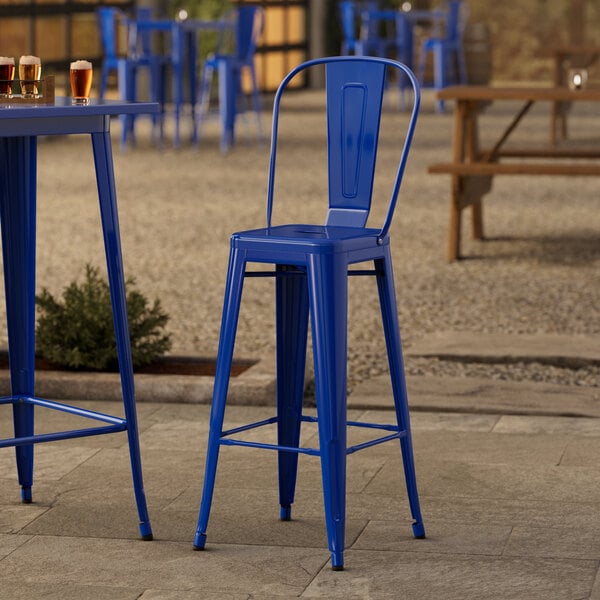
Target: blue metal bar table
point(20, 125)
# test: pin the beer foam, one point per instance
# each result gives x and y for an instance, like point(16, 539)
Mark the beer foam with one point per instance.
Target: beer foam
point(30, 60)
point(7, 60)
point(81, 65)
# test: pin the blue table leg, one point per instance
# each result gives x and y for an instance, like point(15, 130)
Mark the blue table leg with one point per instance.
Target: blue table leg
point(112, 245)
point(192, 64)
point(178, 39)
point(17, 218)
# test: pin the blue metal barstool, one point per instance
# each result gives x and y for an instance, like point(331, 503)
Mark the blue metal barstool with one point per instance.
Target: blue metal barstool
point(126, 66)
point(249, 25)
point(449, 62)
point(347, 12)
point(107, 17)
point(141, 54)
point(311, 273)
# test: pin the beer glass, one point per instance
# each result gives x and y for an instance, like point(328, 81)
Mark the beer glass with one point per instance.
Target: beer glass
point(7, 73)
point(81, 81)
point(30, 71)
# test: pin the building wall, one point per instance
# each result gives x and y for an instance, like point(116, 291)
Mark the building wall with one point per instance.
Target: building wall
point(507, 41)
point(56, 34)
point(523, 32)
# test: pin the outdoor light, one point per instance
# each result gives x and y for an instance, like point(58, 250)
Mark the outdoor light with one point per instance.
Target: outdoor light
point(182, 14)
point(577, 79)
point(406, 6)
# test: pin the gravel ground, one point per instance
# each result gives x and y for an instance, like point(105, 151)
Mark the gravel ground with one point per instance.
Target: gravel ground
point(539, 270)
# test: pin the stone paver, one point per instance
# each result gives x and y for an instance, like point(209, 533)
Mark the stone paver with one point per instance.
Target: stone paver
point(510, 503)
point(415, 576)
point(562, 350)
point(479, 395)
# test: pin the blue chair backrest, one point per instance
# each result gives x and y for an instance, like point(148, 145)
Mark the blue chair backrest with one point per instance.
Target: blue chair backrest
point(347, 13)
point(374, 21)
point(249, 26)
point(453, 23)
point(107, 27)
point(144, 13)
point(354, 87)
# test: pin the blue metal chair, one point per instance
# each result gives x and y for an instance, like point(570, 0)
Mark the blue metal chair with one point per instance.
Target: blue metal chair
point(311, 274)
point(382, 33)
point(107, 18)
point(449, 63)
point(126, 67)
point(157, 60)
point(387, 33)
point(249, 26)
point(348, 15)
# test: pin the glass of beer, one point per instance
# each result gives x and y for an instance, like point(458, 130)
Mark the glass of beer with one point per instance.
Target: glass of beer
point(30, 72)
point(81, 81)
point(7, 73)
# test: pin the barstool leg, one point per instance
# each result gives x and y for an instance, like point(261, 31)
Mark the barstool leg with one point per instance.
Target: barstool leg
point(114, 261)
point(292, 330)
point(440, 58)
point(328, 294)
point(127, 91)
point(231, 309)
point(256, 103)
point(389, 313)
point(203, 109)
point(158, 86)
point(229, 82)
point(18, 180)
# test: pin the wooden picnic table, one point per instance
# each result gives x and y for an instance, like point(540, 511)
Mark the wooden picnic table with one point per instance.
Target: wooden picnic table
point(473, 168)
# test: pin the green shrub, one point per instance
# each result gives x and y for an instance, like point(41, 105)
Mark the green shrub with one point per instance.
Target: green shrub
point(78, 332)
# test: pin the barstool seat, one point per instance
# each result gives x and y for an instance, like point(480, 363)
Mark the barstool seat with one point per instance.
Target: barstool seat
point(311, 274)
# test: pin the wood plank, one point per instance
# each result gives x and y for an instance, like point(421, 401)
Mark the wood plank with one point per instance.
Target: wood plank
point(571, 49)
point(481, 168)
point(489, 93)
point(546, 152)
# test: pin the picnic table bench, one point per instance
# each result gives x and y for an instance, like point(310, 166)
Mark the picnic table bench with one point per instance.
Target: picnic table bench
point(473, 169)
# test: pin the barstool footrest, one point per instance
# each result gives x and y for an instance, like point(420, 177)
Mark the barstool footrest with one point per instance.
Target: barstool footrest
point(227, 441)
point(115, 424)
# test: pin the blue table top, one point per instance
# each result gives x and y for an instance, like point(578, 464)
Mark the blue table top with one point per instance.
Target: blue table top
point(63, 117)
point(63, 107)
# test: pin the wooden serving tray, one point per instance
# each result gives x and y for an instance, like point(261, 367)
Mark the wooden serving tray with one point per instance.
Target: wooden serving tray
point(46, 97)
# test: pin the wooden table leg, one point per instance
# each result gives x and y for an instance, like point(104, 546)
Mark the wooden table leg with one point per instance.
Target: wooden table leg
point(459, 149)
point(454, 226)
point(466, 191)
point(477, 219)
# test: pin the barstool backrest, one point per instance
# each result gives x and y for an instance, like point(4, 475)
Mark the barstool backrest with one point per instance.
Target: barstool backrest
point(355, 88)
point(107, 17)
point(250, 24)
